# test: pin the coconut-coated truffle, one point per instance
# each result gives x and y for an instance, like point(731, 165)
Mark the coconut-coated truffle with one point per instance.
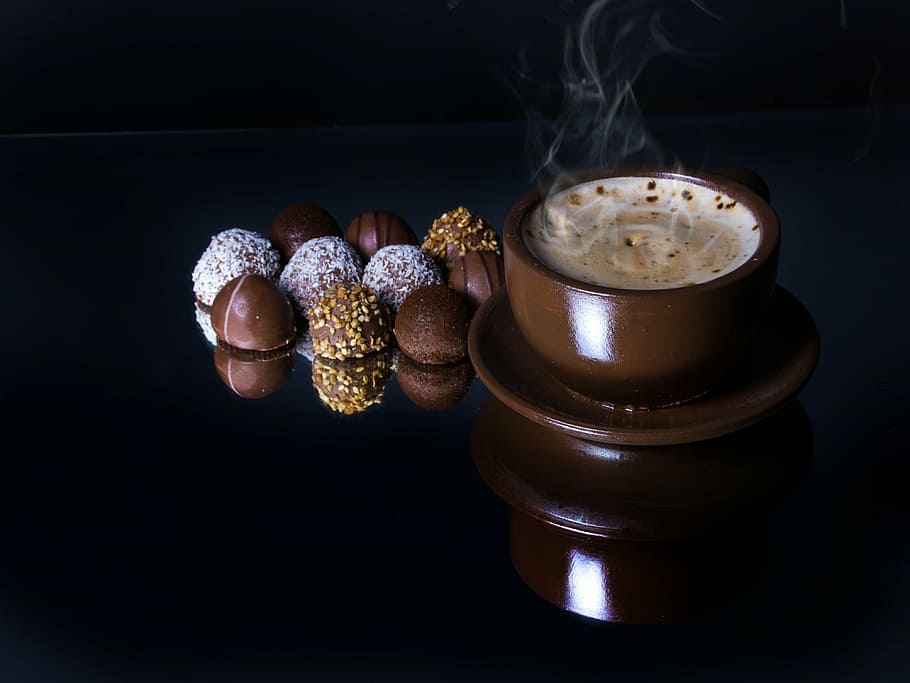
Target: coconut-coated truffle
point(251, 313)
point(370, 231)
point(397, 270)
point(349, 321)
point(232, 253)
point(457, 232)
point(317, 266)
point(300, 223)
point(353, 385)
point(432, 325)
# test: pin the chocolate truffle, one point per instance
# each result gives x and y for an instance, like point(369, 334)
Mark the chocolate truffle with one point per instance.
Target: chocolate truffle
point(316, 267)
point(251, 313)
point(434, 387)
point(397, 270)
point(349, 321)
point(457, 232)
point(372, 230)
point(252, 376)
point(230, 254)
point(476, 275)
point(351, 386)
point(432, 325)
point(300, 223)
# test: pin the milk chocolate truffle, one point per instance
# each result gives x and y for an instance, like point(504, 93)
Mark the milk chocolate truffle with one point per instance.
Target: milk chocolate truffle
point(317, 266)
point(230, 254)
point(349, 321)
point(397, 270)
point(434, 387)
point(476, 275)
point(432, 325)
point(351, 386)
point(457, 232)
point(300, 223)
point(250, 376)
point(372, 230)
point(251, 313)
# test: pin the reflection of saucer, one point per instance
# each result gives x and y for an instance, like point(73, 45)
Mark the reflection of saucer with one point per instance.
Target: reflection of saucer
point(780, 361)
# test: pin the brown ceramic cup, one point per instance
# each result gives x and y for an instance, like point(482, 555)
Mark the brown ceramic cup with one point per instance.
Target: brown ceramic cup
point(653, 347)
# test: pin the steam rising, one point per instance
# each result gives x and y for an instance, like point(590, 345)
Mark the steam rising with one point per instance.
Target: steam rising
point(600, 122)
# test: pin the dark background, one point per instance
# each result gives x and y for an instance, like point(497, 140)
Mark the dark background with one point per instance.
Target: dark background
point(96, 65)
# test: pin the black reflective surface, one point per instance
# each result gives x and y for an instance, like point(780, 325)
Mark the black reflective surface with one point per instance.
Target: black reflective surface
point(157, 526)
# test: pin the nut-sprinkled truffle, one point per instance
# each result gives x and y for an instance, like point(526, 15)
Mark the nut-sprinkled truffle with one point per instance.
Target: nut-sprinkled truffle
point(250, 312)
point(232, 253)
point(372, 230)
point(476, 275)
point(397, 270)
point(434, 387)
point(300, 223)
point(351, 386)
point(349, 321)
point(316, 267)
point(432, 325)
point(457, 232)
point(250, 376)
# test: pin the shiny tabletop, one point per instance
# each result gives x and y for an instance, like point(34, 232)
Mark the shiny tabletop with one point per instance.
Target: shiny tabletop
point(157, 526)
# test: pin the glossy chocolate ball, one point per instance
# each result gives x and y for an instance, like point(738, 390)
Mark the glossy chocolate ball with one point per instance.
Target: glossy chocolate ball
point(298, 224)
point(252, 376)
point(251, 313)
point(432, 325)
point(372, 230)
point(476, 275)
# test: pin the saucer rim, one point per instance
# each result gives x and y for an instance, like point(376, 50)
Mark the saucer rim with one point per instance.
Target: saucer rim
point(739, 414)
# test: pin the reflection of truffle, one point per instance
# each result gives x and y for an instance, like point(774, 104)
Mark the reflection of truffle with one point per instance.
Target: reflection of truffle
point(372, 230)
point(232, 253)
point(476, 275)
point(204, 320)
point(457, 232)
point(349, 321)
point(300, 223)
point(250, 312)
point(316, 267)
point(351, 386)
point(434, 387)
point(432, 325)
point(251, 375)
point(397, 270)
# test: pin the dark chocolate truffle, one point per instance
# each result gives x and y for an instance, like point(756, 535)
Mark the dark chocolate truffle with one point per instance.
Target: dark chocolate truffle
point(351, 386)
point(300, 223)
point(250, 376)
point(432, 325)
point(457, 232)
point(349, 321)
point(250, 312)
point(434, 387)
point(232, 253)
point(317, 266)
point(372, 230)
point(476, 275)
point(397, 270)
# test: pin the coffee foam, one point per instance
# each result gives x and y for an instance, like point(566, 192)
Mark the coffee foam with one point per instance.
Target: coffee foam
point(641, 233)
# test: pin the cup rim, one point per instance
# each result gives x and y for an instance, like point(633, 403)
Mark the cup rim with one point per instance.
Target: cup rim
point(765, 216)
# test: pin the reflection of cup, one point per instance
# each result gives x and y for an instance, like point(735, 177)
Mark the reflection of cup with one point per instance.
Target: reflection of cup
point(638, 533)
point(250, 374)
point(639, 347)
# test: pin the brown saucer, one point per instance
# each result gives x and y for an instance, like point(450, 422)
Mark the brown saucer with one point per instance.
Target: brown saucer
point(778, 364)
